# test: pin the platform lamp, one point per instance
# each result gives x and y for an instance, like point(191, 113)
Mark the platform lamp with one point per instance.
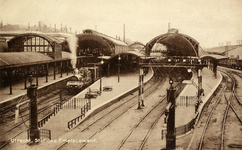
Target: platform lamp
point(170, 115)
point(101, 76)
point(119, 58)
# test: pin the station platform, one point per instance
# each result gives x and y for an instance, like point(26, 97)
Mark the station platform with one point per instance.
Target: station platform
point(58, 123)
point(19, 90)
point(186, 112)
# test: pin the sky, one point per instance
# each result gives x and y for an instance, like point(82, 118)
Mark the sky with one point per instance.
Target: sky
point(210, 22)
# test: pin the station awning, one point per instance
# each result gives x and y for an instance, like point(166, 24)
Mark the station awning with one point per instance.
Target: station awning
point(18, 58)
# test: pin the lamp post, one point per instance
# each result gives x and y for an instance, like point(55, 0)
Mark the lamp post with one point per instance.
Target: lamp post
point(171, 136)
point(119, 58)
point(101, 78)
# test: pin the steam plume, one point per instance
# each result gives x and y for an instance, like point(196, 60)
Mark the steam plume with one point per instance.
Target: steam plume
point(72, 41)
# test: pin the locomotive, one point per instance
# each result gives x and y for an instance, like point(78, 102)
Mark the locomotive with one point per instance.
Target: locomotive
point(81, 79)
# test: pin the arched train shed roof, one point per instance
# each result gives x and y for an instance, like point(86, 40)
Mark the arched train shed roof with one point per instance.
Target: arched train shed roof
point(51, 39)
point(16, 58)
point(213, 56)
point(178, 44)
point(89, 34)
point(136, 43)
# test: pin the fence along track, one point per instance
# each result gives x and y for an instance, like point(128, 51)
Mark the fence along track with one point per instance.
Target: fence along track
point(40, 124)
point(106, 114)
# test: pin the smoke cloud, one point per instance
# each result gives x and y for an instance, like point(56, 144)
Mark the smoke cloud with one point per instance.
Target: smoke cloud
point(72, 41)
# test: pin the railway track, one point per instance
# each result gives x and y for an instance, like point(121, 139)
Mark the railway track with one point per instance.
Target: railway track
point(103, 123)
point(234, 120)
point(148, 122)
point(110, 116)
point(215, 124)
point(215, 130)
point(10, 130)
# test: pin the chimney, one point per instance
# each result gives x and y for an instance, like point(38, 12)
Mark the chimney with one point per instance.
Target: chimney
point(39, 27)
point(124, 33)
point(1, 25)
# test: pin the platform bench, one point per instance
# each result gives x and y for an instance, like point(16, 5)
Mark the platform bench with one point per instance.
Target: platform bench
point(107, 88)
point(92, 93)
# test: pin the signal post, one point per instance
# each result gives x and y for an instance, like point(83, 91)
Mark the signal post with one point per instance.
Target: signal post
point(170, 109)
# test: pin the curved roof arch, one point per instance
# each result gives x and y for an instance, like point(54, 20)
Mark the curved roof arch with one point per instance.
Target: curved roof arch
point(136, 43)
point(50, 39)
point(133, 53)
point(99, 44)
point(103, 36)
point(17, 43)
point(213, 56)
point(178, 44)
point(83, 37)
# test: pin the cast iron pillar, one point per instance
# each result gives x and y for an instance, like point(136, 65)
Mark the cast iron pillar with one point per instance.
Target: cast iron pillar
point(61, 69)
point(200, 89)
point(142, 86)
point(139, 96)
point(25, 78)
point(54, 71)
point(34, 131)
point(215, 68)
point(37, 75)
point(10, 79)
point(46, 71)
point(171, 135)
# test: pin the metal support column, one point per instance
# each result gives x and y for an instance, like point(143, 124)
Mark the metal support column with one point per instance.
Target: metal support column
point(142, 86)
point(108, 68)
point(67, 67)
point(139, 96)
point(54, 71)
point(60, 98)
point(46, 70)
point(34, 131)
point(215, 68)
point(61, 69)
point(37, 75)
point(101, 80)
point(10, 79)
point(171, 136)
point(119, 58)
point(95, 72)
point(25, 78)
